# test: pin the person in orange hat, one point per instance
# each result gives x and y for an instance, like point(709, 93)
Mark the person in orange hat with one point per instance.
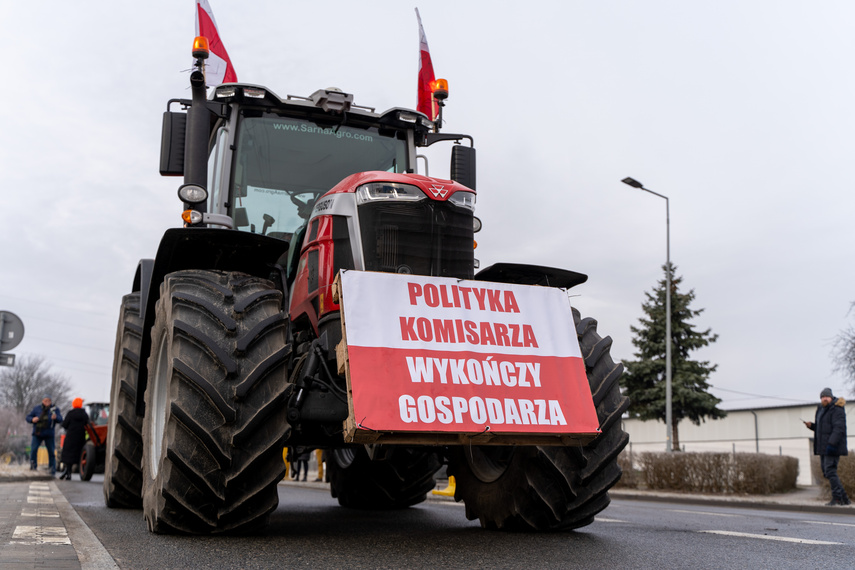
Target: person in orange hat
point(75, 436)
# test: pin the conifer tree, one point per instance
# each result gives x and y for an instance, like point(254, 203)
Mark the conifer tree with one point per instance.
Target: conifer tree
point(644, 379)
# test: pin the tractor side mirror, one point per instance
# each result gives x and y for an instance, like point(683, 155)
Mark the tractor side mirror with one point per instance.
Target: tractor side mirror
point(172, 144)
point(463, 165)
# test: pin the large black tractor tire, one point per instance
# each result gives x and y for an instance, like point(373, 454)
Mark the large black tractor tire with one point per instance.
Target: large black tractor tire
point(549, 488)
point(400, 480)
point(123, 463)
point(215, 417)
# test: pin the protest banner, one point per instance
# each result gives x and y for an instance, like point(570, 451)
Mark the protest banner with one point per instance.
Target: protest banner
point(443, 358)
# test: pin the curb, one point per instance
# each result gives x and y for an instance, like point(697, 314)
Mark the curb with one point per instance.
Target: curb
point(737, 503)
point(22, 476)
point(19, 479)
point(90, 552)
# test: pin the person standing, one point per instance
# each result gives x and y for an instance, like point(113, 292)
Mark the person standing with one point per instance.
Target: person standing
point(75, 437)
point(830, 441)
point(44, 417)
point(302, 461)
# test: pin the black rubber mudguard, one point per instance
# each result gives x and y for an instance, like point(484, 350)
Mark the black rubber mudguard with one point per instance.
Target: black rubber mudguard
point(202, 248)
point(524, 274)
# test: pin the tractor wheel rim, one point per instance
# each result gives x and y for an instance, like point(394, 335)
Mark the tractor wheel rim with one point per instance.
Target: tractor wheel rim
point(158, 408)
point(344, 456)
point(489, 463)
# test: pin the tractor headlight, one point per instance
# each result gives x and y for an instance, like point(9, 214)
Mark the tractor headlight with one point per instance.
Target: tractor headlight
point(377, 191)
point(225, 92)
point(463, 199)
point(192, 193)
point(254, 93)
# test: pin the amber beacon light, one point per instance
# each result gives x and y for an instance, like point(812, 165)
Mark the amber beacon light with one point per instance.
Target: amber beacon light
point(200, 47)
point(439, 87)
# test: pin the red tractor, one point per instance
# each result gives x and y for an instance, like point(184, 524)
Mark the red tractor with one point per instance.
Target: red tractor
point(94, 450)
point(226, 344)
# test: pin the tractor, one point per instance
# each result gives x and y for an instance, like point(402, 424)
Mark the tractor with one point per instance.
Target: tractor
point(226, 346)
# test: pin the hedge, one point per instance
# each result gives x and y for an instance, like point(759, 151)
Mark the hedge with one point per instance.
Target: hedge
point(710, 472)
point(845, 470)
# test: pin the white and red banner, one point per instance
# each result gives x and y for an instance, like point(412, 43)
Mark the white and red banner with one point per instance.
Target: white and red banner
point(430, 354)
point(218, 68)
point(425, 104)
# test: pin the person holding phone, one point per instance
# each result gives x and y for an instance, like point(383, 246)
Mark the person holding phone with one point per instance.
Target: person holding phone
point(830, 441)
point(43, 418)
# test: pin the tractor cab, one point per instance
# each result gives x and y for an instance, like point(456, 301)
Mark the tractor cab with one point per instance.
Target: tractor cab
point(98, 412)
point(269, 159)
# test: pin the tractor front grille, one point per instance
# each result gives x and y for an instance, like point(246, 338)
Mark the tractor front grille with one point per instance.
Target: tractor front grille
point(422, 238)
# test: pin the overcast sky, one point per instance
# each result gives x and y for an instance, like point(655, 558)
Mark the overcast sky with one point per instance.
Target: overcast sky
point(740, 112)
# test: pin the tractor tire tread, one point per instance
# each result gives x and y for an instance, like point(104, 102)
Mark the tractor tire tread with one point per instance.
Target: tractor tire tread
point(399, 481)
point(123, 462)
point(222, 452)
point(550, 488)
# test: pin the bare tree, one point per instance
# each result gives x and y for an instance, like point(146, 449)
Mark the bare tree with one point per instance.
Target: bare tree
point(843, 353)
point(13, 432)
point(23, 385)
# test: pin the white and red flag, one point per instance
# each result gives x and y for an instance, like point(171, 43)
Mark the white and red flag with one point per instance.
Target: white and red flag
point(426, 103)
point(219, 68)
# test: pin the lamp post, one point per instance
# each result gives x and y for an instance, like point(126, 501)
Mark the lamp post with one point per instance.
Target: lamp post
point(636, 184)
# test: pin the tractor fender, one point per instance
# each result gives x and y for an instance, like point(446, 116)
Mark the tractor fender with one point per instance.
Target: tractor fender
point(524, 274)
point(198, 248)
point(142, 278)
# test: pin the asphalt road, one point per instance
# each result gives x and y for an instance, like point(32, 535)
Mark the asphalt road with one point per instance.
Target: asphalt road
point(310, 530)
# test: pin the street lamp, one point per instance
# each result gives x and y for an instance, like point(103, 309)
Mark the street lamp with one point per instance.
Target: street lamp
point(636, 184)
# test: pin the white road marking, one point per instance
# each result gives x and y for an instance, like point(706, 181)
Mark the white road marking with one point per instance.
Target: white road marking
point(767, 537)
point(831, 523)
point(607, 520)
point(35, 499)
point(35, 535)
point(704, 513)
point(39, 512)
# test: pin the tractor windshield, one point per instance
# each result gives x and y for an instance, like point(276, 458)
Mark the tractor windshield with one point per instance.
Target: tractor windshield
point(283, 165)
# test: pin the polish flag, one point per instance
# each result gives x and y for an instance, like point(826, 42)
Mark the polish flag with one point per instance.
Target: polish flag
point(219, 68)
point(426, 103)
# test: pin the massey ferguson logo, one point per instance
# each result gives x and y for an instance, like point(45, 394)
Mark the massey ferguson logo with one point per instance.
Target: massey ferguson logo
point(438, 191)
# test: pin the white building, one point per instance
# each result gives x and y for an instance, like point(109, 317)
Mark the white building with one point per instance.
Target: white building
point(776, 431)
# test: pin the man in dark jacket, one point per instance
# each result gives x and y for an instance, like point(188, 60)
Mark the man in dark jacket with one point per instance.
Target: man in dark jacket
point(44, 417)
point(830, 441)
